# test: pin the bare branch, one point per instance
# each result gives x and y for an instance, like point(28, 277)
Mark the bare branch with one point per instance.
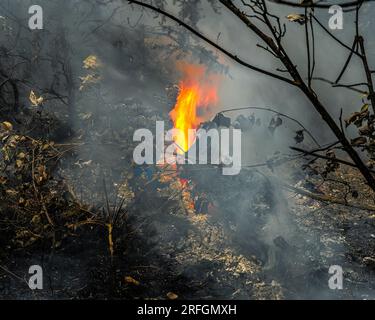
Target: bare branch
point(212, 43)
point(326, 198)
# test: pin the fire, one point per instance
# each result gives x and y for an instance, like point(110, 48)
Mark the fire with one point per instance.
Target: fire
point(197, 94)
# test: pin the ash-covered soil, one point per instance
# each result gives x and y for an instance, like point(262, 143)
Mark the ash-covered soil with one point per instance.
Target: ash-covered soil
point(184, 232)
point(265, 250)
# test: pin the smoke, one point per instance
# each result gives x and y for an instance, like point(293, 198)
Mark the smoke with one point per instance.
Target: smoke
point(255, 216)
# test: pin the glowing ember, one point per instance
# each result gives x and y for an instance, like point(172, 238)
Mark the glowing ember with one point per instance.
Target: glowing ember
point(197, 93)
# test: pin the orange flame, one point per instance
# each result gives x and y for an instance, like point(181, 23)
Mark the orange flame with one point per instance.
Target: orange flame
point(197, 93)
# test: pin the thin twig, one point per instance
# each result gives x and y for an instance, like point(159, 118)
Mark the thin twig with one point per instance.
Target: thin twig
point(278, 113)
point(212, 43)
point(326, 198)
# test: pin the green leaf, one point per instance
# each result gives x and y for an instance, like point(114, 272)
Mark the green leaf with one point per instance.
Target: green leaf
point(365, 107)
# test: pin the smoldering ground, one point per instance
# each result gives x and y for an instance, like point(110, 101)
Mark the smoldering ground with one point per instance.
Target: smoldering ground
point(246, 239)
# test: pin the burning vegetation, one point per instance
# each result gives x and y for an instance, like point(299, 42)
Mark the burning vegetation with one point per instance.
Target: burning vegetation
point(196, 102)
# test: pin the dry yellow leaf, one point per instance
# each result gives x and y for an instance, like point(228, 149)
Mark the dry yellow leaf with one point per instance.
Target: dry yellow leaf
point(35, 101)
point(91, 62)
point(89, 79)
point(131, 280)
point(7, 126)
point(172, 296)
point(41, 174)
point(19, 163)
point(11, 192)
point(46, 146)
point(294, 17)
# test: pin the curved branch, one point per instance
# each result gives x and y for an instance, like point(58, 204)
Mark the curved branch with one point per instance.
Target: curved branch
point(313, 153)
point(335, 38)
point(310, 4)
point(326, 198)
point(276, 112)
point(212, 43)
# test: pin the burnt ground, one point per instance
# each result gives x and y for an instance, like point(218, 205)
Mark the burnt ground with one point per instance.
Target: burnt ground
point(207, 256)
point(253, 240)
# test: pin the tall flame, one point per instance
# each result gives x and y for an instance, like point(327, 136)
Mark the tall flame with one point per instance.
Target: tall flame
point(197, 93)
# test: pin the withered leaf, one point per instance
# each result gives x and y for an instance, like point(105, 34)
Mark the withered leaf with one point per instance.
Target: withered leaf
point(11, 192)
point(295, 17)
point(131, 280)
point(35, 101)
point(7, 126)
point(299, 136)
point(366, 130)
point(36, 219)
point(89, 79)
point(41, 174)
point(358, 141)
point(348, 121)
point(172, 296)
point(91, 62)
point(19, 163)
point(357, 117)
